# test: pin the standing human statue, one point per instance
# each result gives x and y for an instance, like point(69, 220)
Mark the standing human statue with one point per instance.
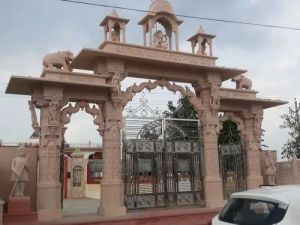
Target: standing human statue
point(20, 175)
point(270, 169)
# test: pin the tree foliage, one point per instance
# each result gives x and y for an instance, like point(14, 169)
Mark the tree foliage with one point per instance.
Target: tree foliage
point(183, 110)
point(291, 121)
point(229, 134)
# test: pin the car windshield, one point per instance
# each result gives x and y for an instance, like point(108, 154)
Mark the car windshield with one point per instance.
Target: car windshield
point(252, 212)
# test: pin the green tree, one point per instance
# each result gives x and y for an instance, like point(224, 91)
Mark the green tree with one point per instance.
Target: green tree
point(183, 110)
point(229, 134)
point(291, 121)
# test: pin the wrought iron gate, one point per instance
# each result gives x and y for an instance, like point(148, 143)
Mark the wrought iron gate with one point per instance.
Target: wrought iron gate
point(161, 174)
point(162, 160)
point(232, 166)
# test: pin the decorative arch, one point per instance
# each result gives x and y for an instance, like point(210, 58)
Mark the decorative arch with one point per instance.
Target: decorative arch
point(234, 118)
point(67, 112)
point(132, 90)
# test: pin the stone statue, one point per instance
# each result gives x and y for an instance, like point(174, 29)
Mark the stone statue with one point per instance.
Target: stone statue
point(242, 82)
point(160, 40)
point(60, 60)
point(116, 35)
point(270, 169)
point(20, 175)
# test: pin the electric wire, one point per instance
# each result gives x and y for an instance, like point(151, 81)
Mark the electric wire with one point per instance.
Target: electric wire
point(185, 16)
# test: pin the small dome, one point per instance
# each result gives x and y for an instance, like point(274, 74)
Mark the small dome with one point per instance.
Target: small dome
point(161, 6)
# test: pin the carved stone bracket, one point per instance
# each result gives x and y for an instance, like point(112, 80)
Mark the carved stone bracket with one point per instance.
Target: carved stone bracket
point(131, 91)
point(34, 122)
point(234, 118)
point(67, 112)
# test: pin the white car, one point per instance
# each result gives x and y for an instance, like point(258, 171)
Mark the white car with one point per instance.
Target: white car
point(278, 205)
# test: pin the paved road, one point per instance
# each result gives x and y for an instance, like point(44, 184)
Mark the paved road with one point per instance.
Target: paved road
point(80, 206)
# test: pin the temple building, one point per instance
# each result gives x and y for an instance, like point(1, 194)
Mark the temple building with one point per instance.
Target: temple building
point(149, 167)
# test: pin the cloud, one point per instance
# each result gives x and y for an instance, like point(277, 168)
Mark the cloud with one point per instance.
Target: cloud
point(37, 27)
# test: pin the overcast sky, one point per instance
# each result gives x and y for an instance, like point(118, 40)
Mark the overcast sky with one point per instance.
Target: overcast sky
point(32, 28)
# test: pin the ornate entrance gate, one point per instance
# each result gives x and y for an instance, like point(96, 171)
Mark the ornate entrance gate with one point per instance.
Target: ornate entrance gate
point(232, 159)
point(232, 163)
point(162, 163)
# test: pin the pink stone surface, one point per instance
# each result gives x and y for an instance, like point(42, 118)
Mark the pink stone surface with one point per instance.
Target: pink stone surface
point(19, 205)
point(114, 60)
point(192, 216)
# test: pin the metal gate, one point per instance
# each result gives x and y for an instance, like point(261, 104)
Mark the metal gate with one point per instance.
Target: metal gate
point(232, 166)
point(162, 163)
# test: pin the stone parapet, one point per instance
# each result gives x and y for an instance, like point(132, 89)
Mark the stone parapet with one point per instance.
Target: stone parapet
point(73, 76)
point(157, 54)
point(238, 94)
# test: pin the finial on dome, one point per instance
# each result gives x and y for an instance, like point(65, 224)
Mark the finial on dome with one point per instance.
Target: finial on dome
point(114, 13)
point(201, 30)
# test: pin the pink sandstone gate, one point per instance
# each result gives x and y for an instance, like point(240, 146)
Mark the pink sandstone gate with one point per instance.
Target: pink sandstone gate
point(100, 95)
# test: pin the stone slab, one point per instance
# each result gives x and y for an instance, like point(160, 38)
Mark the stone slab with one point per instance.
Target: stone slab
point(19, 205)
point(184, 216)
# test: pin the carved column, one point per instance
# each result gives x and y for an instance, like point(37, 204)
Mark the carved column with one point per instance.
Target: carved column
point(209, 123)
point(112, 190)
point(177, 40)
point(150, 27)
point(48, 181)
point(252, 142)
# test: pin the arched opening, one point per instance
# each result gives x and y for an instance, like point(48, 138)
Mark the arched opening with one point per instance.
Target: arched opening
point(232, 157)
point(162, 159)
point(116, 33)
point(81, 141)
point(162, 37)
point(204, 47)
point(78, 173)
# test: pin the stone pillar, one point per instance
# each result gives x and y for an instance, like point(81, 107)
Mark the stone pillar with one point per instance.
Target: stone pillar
point(212, 180)
point(209, 123)
point(112, 188)
point(105, 33)
point(177, 40)
point(48, 181)
point(252, 142)
point(124, 34)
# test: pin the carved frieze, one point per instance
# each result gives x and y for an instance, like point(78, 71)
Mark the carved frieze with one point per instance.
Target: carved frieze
point(96, 112)
point(131, 91)
point(149, 53)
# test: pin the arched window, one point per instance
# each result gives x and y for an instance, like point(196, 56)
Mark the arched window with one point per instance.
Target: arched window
point(77, 176)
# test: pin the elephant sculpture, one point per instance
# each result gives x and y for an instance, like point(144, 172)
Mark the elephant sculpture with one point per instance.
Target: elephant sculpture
point(60, 60)
point(242, 82)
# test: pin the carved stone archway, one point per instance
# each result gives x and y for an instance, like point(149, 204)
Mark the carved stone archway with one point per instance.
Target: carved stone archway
point(234, 118)
point(128, 95)
point(67, 112)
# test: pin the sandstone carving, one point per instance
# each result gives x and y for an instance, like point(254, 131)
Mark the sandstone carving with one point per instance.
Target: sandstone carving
point(59, 60)
point(270, 169)
point(132, 90)
point(242, 82)
point(34, 121)
point(20, 175)
point(67, 112)
point(160, 40)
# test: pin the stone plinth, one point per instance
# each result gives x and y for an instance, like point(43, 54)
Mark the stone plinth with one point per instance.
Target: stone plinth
point(19, 205)
point(18, 211)
point(72, 76)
